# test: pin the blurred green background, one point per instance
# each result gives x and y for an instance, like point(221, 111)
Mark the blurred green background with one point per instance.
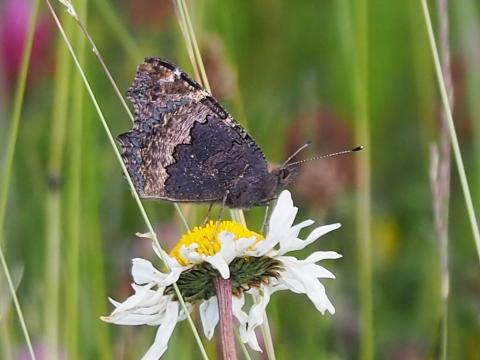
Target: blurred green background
point(340, 73)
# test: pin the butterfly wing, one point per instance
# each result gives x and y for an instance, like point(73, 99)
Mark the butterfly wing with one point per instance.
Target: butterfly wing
point(183, 146)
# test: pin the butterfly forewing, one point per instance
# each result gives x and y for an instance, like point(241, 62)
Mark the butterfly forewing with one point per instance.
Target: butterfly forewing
point(184, 146)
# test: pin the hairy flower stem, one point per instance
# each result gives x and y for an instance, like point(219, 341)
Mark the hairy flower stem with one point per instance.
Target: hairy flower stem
point(223, 288)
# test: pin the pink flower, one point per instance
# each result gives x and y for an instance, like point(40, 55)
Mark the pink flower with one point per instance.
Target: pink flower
point(14, 18)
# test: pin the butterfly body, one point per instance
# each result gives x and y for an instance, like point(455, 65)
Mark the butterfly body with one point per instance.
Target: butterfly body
point(185, 147)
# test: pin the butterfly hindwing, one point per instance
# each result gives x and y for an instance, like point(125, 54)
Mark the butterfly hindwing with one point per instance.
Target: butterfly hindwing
point(212, 163)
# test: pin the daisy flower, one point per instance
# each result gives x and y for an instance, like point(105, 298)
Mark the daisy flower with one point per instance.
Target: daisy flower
point(256, 266)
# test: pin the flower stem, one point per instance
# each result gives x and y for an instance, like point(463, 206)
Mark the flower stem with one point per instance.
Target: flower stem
point(223, 289)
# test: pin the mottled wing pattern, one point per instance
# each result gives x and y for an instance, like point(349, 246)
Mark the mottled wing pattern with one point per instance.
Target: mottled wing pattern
point(171, 152)
point(215, 160)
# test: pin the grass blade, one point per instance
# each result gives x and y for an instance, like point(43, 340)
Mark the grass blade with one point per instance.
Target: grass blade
point(9, 156)
point(53, 199)
point(363, 162)
point(451, 129)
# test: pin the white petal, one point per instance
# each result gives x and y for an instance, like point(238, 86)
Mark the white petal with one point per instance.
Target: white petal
point(146, 306)
point(255, 318)
point(301, 277)
point(219, 263)
point(308, 265)
point(190, 253)
point(126, 318)
point(280, 223)
point(227, 246)
point(143, 272)
point(290, 236)
point(322, 255)
point(250, 338)
point(292, 244)
point(242, 244)
point(114, 302)
point(209, 316)
point(255, 315)
point(247, 337)
point(142, 293)
point(164, 333)
point(192, 256)
point(170, 277)
point(284, 212)
point(237, 305)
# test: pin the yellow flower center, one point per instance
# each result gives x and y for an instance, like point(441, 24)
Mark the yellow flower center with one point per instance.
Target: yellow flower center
point(206, 238)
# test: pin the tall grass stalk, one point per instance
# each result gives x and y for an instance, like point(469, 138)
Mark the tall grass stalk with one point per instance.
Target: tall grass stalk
point(92, 244)
point(73, 193)
point(451, 128)
point(182, 22)
point(53, 199)
point(153, 235)
point(363, 209)
point(441, 184)
point(8, 164)
point(188, 32)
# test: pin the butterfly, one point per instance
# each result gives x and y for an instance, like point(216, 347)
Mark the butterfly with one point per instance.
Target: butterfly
point(184, 146)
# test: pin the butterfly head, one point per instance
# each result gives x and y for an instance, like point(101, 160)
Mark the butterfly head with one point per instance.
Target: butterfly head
point(284, 175)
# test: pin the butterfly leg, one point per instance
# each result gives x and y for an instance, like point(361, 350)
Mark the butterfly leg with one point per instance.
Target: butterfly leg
point(220, 213)
point(265, 220)
point(224, 200)
point(208, 214)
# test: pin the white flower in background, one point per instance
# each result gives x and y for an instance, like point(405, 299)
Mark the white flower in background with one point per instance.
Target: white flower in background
point(257, 267)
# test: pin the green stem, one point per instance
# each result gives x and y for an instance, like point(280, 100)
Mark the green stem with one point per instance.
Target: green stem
point(9, 156)
point(194, 45)
point(53, 200)
point(21, 319)
point(363, 209)
point(182, 21)
point(16, 113)
point(451, 128)
point(74, 203)
point(93, 241)
point(153, 235)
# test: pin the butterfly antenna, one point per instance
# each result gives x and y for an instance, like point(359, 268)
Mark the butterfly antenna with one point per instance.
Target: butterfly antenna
point(304, 146)
point(358, 148)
